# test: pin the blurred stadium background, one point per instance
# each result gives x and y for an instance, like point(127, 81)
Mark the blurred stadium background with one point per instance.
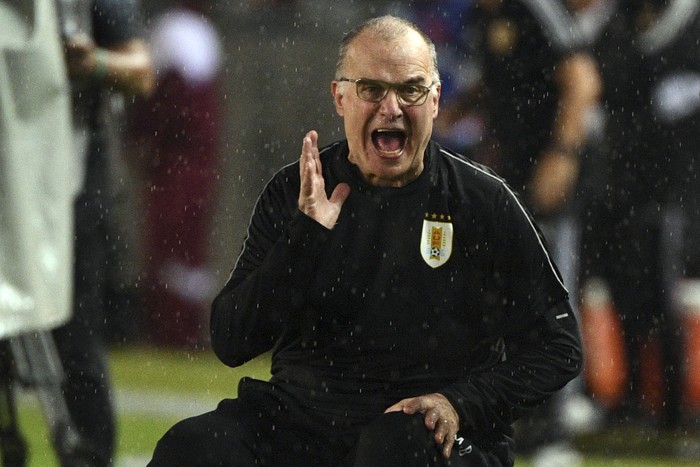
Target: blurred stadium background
point(280, 56)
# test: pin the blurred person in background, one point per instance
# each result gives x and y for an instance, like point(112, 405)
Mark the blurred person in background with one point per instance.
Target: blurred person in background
point(450, 25)
point(537, 89)
point(37, 184)
point(105, 53)
point(37, 190)
point(644, 237)
point(176, 136)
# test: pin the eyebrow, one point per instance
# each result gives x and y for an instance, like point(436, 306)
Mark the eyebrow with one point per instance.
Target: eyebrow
point(415, 80)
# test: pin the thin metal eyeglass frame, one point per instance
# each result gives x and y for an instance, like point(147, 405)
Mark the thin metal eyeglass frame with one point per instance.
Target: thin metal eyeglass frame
point(387, 86)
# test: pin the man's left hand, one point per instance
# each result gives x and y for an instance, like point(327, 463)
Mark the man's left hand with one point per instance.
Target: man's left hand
point(439, 416)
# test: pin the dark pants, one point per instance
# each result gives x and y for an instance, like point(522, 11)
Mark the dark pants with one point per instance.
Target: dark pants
point(642, 280)
point(264, 426)
point(640, 251)
point(80, 342)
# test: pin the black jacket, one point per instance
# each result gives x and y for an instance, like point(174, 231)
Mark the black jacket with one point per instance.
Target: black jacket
point(444, 285)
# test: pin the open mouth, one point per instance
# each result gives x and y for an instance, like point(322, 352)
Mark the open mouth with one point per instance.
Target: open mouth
point(389, 142)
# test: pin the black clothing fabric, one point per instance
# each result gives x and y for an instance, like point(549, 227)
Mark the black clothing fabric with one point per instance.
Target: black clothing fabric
point(520, 43)
point(267, 426)
point(358, 318)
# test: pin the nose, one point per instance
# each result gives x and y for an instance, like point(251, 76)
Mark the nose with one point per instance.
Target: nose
point(390, 106)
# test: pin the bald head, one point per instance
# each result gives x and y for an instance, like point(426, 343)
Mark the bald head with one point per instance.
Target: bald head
point(388, 29)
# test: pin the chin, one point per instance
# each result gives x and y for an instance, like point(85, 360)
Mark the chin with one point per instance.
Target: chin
point(394, 176)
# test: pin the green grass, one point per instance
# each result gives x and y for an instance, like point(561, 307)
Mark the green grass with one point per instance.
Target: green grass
point(180, 371)
point(36, 435)
point(172, 372)
point(151, 371)
point(199, 375)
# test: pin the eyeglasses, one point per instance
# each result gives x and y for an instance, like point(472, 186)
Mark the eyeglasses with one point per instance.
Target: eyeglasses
point(373, 90)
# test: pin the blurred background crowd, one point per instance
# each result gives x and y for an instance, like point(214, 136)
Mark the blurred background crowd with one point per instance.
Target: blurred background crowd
point(589, 108)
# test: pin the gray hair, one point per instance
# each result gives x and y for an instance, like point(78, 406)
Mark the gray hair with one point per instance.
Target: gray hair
point(386, 28)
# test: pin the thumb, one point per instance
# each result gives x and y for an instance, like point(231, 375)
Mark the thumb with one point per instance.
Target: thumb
point(407, 406)
point(340, 194)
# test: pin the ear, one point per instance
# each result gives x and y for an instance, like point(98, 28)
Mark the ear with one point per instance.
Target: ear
point(436, 99)
point(337, 97)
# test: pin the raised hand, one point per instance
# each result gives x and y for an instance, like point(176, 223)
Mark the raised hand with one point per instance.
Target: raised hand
point(312, 196)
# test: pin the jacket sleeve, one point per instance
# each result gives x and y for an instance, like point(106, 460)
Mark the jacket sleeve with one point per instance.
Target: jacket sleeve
point(250, 313)
point(542, 350)
point(537, 363)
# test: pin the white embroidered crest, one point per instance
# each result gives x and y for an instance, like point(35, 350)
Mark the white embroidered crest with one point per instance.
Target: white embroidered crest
point(436, 239)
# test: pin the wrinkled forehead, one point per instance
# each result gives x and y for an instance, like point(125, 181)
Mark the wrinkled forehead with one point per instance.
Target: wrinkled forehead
point(397, 58)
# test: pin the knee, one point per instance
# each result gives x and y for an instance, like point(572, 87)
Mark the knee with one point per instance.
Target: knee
point(175, 446)
point(210, 439)
point(190, 443)
point(400, 439)
point(397, 428)
point(396, 439)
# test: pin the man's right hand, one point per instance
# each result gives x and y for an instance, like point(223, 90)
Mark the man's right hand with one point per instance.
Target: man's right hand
point(312, 196)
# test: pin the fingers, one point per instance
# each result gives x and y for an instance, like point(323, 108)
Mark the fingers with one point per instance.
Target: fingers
point(439, 417)
point(306, 156)
point(309, 151)
point(340, 194)
point(309, 165)
point(445, 433)
point(445, 428)
point(313, 200)
point(432, 418)
point(407, 406)
point(395, 408)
